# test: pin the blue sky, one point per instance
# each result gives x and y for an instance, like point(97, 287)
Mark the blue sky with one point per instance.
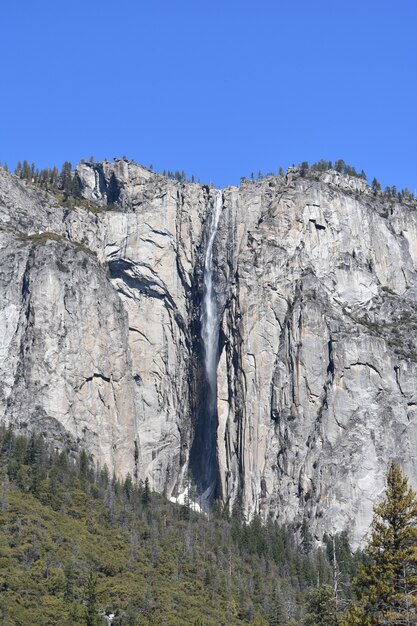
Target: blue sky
point(219, 89)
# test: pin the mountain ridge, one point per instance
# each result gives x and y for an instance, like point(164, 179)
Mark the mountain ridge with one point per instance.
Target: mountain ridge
point(102, 333)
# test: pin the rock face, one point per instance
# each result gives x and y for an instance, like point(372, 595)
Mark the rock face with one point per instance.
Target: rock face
point(316, 293)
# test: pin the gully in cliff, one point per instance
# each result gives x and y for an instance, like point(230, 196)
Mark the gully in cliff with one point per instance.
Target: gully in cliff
point(203, 454)
point(209, 316)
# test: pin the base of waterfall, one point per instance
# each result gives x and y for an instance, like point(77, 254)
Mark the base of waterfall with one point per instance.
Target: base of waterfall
point(201, 506)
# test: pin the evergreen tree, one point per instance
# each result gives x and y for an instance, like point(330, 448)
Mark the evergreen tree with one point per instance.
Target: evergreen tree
point(69, 582)
point(18, 169)
point(321, 608)
point(277, 616)
point(66, 177)
point(4, 493)
point(75, 187)
point(128, 487)
point(306, 538)
point(146, 494)
point(376, 185)
point(387, 581)
point(83, 469)
point(91, 613)
point(26, 172)
point(54, 176)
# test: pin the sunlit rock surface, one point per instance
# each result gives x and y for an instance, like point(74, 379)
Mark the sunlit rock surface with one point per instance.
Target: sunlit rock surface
point(316, 284)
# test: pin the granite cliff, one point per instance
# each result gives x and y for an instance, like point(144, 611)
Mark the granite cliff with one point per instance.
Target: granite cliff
point(314, 280)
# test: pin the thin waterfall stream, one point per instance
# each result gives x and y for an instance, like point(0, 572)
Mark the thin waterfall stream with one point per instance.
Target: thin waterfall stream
point(209, 315)
point(203, 462)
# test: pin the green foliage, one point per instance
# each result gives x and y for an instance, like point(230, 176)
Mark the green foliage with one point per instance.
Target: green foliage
point(65, 183)
point(321, 608)
point(387, 580)
point(339, 553)
point(306, 538)
point(277, 614)
point(339, 165)
point(376, 185)
point(66, 178)
point(75, 543)
point(146, 493)
point(91, 601)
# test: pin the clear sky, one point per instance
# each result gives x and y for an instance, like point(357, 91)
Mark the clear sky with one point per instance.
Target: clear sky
point(216, 88)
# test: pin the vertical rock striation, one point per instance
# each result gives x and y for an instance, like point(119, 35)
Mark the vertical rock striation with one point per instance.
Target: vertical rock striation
point(298, 293)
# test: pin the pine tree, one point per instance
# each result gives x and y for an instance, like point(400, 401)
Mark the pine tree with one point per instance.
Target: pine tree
point(277, 616)
point(91, 612)
point(54, 176)
point(83, 469)
point(26, 172)
point(306, 538)
point(340, 166)
point(4, 493)
point(69, 582)
point(146, 494)
point(387, 581)
point(66, 177)
point(321, 607)
point(128, 487)
point(75, 187)
point(376, 185)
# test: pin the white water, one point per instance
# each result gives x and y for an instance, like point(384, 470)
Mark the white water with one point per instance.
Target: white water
point(209, 317)
point(185, 497)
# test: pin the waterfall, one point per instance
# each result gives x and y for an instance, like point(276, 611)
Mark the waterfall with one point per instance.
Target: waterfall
point(209, 316)
point(203, 462)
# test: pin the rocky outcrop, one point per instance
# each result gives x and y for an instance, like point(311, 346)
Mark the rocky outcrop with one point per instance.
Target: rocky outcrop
point(319, 332)
point(316, 289)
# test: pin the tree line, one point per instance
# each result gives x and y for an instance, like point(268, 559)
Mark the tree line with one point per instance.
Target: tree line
point(77, 542)
point(306, 170)
point(63, 179)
